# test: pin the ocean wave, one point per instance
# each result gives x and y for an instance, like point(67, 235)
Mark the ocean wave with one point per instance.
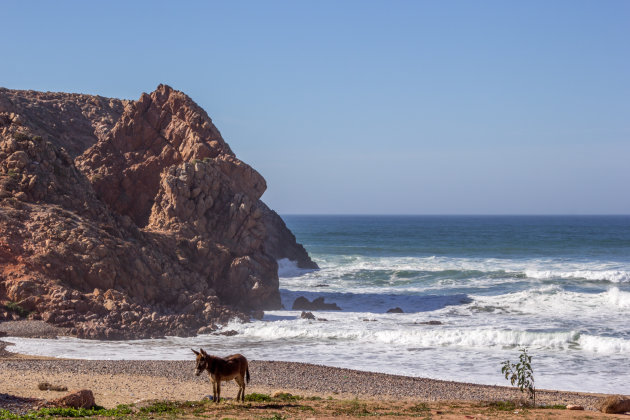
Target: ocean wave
point(613, 276)
point(359, 272)
point(289, 268)
point(604, 345)
point(426, 337)
point(553, 302)
point(618, 298)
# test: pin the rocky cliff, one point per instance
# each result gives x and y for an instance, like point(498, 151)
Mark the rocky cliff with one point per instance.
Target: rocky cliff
point(123, 219)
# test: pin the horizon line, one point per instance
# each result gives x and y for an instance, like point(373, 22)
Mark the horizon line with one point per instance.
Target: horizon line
point(466, 214)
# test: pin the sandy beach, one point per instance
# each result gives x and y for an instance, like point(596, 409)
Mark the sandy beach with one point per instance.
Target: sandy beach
point(132, 382)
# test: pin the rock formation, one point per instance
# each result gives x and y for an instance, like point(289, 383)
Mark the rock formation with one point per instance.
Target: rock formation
point(123, 219)
point(614, 404)
point(280, 241)
point(318, 304)
point(81, 398)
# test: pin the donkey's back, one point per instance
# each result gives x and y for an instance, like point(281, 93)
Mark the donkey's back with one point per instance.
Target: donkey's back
point(233, 366)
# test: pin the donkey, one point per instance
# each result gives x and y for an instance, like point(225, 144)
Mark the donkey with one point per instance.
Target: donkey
point(223, 369)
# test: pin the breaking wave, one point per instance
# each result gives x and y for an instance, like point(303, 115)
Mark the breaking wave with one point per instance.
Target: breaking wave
point(421, 336)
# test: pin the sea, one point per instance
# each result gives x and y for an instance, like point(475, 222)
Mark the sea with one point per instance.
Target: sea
point(474, 291)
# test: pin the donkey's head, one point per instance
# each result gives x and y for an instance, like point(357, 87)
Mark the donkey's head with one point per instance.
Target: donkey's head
point(202, 361)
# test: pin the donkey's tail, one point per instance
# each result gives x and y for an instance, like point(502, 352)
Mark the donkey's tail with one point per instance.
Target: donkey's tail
point(247, 375)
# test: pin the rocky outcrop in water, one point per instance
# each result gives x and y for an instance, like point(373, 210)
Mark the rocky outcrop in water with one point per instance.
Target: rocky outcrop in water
point(280, 241)
point(318, 304)
point(129, 219)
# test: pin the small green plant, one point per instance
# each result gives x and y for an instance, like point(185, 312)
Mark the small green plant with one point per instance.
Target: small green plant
point(6, 414)
point(419, 408)
point(285, 396)
point(503, 405)
point(521, 374)
point(120, 411)
point(256, 397)
point(17, 309)
point(21, 136)
point(275, 417)
point(161, 407)
point(353, 408)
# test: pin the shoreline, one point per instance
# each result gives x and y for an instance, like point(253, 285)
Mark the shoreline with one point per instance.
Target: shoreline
point(115, 382)
point(134, 381)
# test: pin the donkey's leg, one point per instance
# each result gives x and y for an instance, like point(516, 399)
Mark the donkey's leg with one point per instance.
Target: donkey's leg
point(241, 388)
point(218, 389)
point(214, 391)
point(238, 394)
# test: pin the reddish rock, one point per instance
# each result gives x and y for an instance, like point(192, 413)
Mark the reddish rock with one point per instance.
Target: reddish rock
point(76, 399)
point(615, 404)
point(131, 219)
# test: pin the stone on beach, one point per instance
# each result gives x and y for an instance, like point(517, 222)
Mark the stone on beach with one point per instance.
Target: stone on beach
point(76, 399)
point(614, 404)
point(45, 386)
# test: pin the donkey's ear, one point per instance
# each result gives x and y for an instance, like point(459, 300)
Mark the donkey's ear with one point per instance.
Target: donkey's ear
point(196, 352)
point(203, 352)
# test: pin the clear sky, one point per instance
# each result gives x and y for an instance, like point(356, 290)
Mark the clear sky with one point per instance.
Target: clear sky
point(380, 107)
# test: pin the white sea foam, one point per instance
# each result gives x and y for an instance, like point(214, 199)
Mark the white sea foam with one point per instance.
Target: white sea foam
point(422, 336)
point(571, 314)
point(618, 298)
point(553, 304)
point(604, 345)
point(405, 275)
point(613, 276)
point(289, 268)
point(392, 344)
point(292, 334)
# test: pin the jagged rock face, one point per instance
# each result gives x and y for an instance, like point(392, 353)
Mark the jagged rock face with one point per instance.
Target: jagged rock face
point(199, 201)
point(75, 121)
point(154, 133)
point(158, 229)
point(280, 242)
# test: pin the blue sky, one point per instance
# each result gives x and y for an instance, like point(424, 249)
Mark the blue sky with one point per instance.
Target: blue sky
point(378, 107)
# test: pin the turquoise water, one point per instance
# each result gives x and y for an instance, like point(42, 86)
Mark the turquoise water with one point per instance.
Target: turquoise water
point(559, 286)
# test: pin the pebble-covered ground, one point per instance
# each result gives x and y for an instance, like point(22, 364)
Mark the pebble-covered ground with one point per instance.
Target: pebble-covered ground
point(130, 381)
point(32, 329)
point(115, 382)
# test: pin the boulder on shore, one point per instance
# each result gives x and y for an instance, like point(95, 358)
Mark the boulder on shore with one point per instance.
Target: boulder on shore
point(614, 404)
point(83, 398)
